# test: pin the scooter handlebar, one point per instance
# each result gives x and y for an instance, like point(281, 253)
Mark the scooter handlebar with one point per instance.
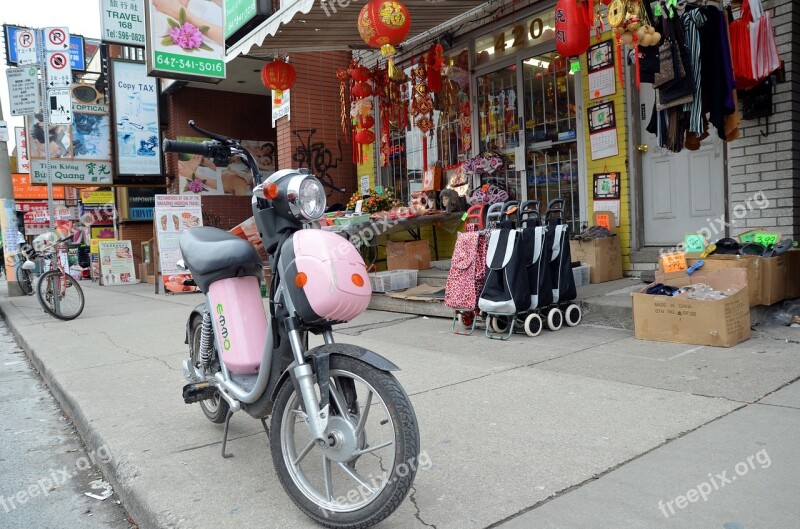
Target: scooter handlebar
point(205, 148)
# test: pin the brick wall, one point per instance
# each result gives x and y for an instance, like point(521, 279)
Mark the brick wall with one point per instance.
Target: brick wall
point(313, 137)
point(771, 164)
point(242, 116)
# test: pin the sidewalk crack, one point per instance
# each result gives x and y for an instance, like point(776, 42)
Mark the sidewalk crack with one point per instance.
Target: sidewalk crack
point(418, 515)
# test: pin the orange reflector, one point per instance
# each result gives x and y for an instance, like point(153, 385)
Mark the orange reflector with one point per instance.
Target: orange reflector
point(300, 279)
point(357, 280)
point(270, 191)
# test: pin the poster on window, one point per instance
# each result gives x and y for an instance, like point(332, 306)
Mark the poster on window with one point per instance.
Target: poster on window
point(198, 175)
point(135, 97)
point(116, 263)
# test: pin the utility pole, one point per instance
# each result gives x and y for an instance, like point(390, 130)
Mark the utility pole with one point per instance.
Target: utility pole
point(8, 221)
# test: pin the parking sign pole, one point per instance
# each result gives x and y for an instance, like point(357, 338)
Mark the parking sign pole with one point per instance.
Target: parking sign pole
point(40, 36)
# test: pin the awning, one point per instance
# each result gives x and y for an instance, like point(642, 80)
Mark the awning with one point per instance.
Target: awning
point(322, 25)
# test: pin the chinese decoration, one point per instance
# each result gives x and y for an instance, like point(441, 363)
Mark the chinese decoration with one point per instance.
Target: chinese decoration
point(422, 107)
point(384, 24)
point(573, 23)
point(632, 28)
point(278, 76)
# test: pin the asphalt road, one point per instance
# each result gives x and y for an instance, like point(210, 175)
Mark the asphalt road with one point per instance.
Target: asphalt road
point(44, 466)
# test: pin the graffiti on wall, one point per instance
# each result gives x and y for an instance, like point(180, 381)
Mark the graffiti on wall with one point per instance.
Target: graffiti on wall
point(316, 156)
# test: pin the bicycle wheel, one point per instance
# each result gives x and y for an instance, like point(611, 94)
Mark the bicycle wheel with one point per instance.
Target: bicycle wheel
point(60, 295)
point(25, 279)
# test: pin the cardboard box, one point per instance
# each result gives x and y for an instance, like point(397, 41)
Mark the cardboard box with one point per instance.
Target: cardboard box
point(773, 279)
point(720, 323)
point(411, 255)
point(750, 263)
point(602, 255)
point(793, 273)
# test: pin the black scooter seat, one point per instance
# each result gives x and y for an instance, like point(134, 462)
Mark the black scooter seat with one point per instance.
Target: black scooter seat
point(212, 254)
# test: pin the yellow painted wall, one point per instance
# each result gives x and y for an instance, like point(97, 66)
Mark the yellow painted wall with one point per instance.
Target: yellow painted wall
point(615, 164)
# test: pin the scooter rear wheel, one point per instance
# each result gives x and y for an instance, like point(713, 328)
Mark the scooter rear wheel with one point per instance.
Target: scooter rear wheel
point(214, 408)
point(370, 414)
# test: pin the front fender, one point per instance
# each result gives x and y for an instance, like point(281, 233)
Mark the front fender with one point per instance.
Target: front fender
point(319, 356)
point(197, 311)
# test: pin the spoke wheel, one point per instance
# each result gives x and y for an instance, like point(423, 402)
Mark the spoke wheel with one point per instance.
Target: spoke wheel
point(369, 460)
point(25, 279)
point(60, 295)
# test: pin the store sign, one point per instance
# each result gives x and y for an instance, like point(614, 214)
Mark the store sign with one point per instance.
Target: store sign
point(135, 97)
point(140, 202)
point(533, 31)
point(97, 197)
point(173, 215)
point(23, 163)
point(280, 106)
point(123, 22)
point(29, 206)
point(237, 14)
point(77, 57)
point(23, 190)
point(185, 44)
point(71, 173)
point(23, 90)
point(81, 151)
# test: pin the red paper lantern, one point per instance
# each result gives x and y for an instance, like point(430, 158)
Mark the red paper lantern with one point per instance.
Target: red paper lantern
point(362, 90)
point(360, 74)
point(278, 76)
point(364, 137)
point(366, 122)
point(384, 24)
point(572, 29)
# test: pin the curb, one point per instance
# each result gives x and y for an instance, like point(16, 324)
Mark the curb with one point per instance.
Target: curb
point(128, 495)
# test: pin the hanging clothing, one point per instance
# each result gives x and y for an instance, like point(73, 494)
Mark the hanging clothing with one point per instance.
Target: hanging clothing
point(693, 20)
point(716, 64)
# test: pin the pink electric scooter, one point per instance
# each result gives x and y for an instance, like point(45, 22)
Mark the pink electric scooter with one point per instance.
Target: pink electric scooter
point(342, 432)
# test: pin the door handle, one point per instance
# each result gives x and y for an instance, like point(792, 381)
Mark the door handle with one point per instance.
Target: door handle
point(642, 148)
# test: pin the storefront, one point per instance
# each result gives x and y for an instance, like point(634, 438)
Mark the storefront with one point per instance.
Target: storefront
point(510, 95)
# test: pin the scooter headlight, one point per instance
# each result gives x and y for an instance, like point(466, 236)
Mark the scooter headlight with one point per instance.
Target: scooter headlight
point(306, 197)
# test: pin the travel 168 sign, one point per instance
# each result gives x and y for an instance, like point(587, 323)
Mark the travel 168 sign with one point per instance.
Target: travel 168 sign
point(23, 90)
point(123, 22)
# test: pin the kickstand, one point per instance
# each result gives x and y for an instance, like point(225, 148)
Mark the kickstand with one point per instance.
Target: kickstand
point(266, 428)
point(225, 435)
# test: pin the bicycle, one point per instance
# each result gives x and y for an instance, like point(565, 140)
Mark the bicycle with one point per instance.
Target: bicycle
point(56, 285)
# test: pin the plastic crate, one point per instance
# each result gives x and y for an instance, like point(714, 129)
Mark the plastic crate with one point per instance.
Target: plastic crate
point(581, 275)
point(393, 280)
point(350, 220)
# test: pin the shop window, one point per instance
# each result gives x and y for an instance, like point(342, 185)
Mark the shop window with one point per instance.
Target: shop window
point(551, 150)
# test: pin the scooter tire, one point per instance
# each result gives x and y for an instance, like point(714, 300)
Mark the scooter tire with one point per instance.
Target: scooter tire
point(406, 449)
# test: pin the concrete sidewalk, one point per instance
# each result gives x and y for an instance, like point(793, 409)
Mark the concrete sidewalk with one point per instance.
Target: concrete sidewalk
point(506, 425)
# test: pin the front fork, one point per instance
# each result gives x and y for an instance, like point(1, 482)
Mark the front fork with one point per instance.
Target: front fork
point(316, 410)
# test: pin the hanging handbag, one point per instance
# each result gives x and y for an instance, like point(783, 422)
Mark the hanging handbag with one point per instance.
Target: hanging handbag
point(666, 64)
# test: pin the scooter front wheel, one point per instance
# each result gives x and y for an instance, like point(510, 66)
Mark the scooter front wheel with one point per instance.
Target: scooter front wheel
point(367, 464)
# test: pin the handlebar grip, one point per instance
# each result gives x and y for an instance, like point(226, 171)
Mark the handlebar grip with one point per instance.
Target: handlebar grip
point(204, 148)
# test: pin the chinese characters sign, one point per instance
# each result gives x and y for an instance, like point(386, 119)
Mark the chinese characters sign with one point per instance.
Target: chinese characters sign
point(123, 21)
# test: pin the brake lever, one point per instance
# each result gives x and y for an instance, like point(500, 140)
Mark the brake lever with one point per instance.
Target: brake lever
point(208, 134)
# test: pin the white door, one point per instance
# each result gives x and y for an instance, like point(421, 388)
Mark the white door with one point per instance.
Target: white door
point(683, 192)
